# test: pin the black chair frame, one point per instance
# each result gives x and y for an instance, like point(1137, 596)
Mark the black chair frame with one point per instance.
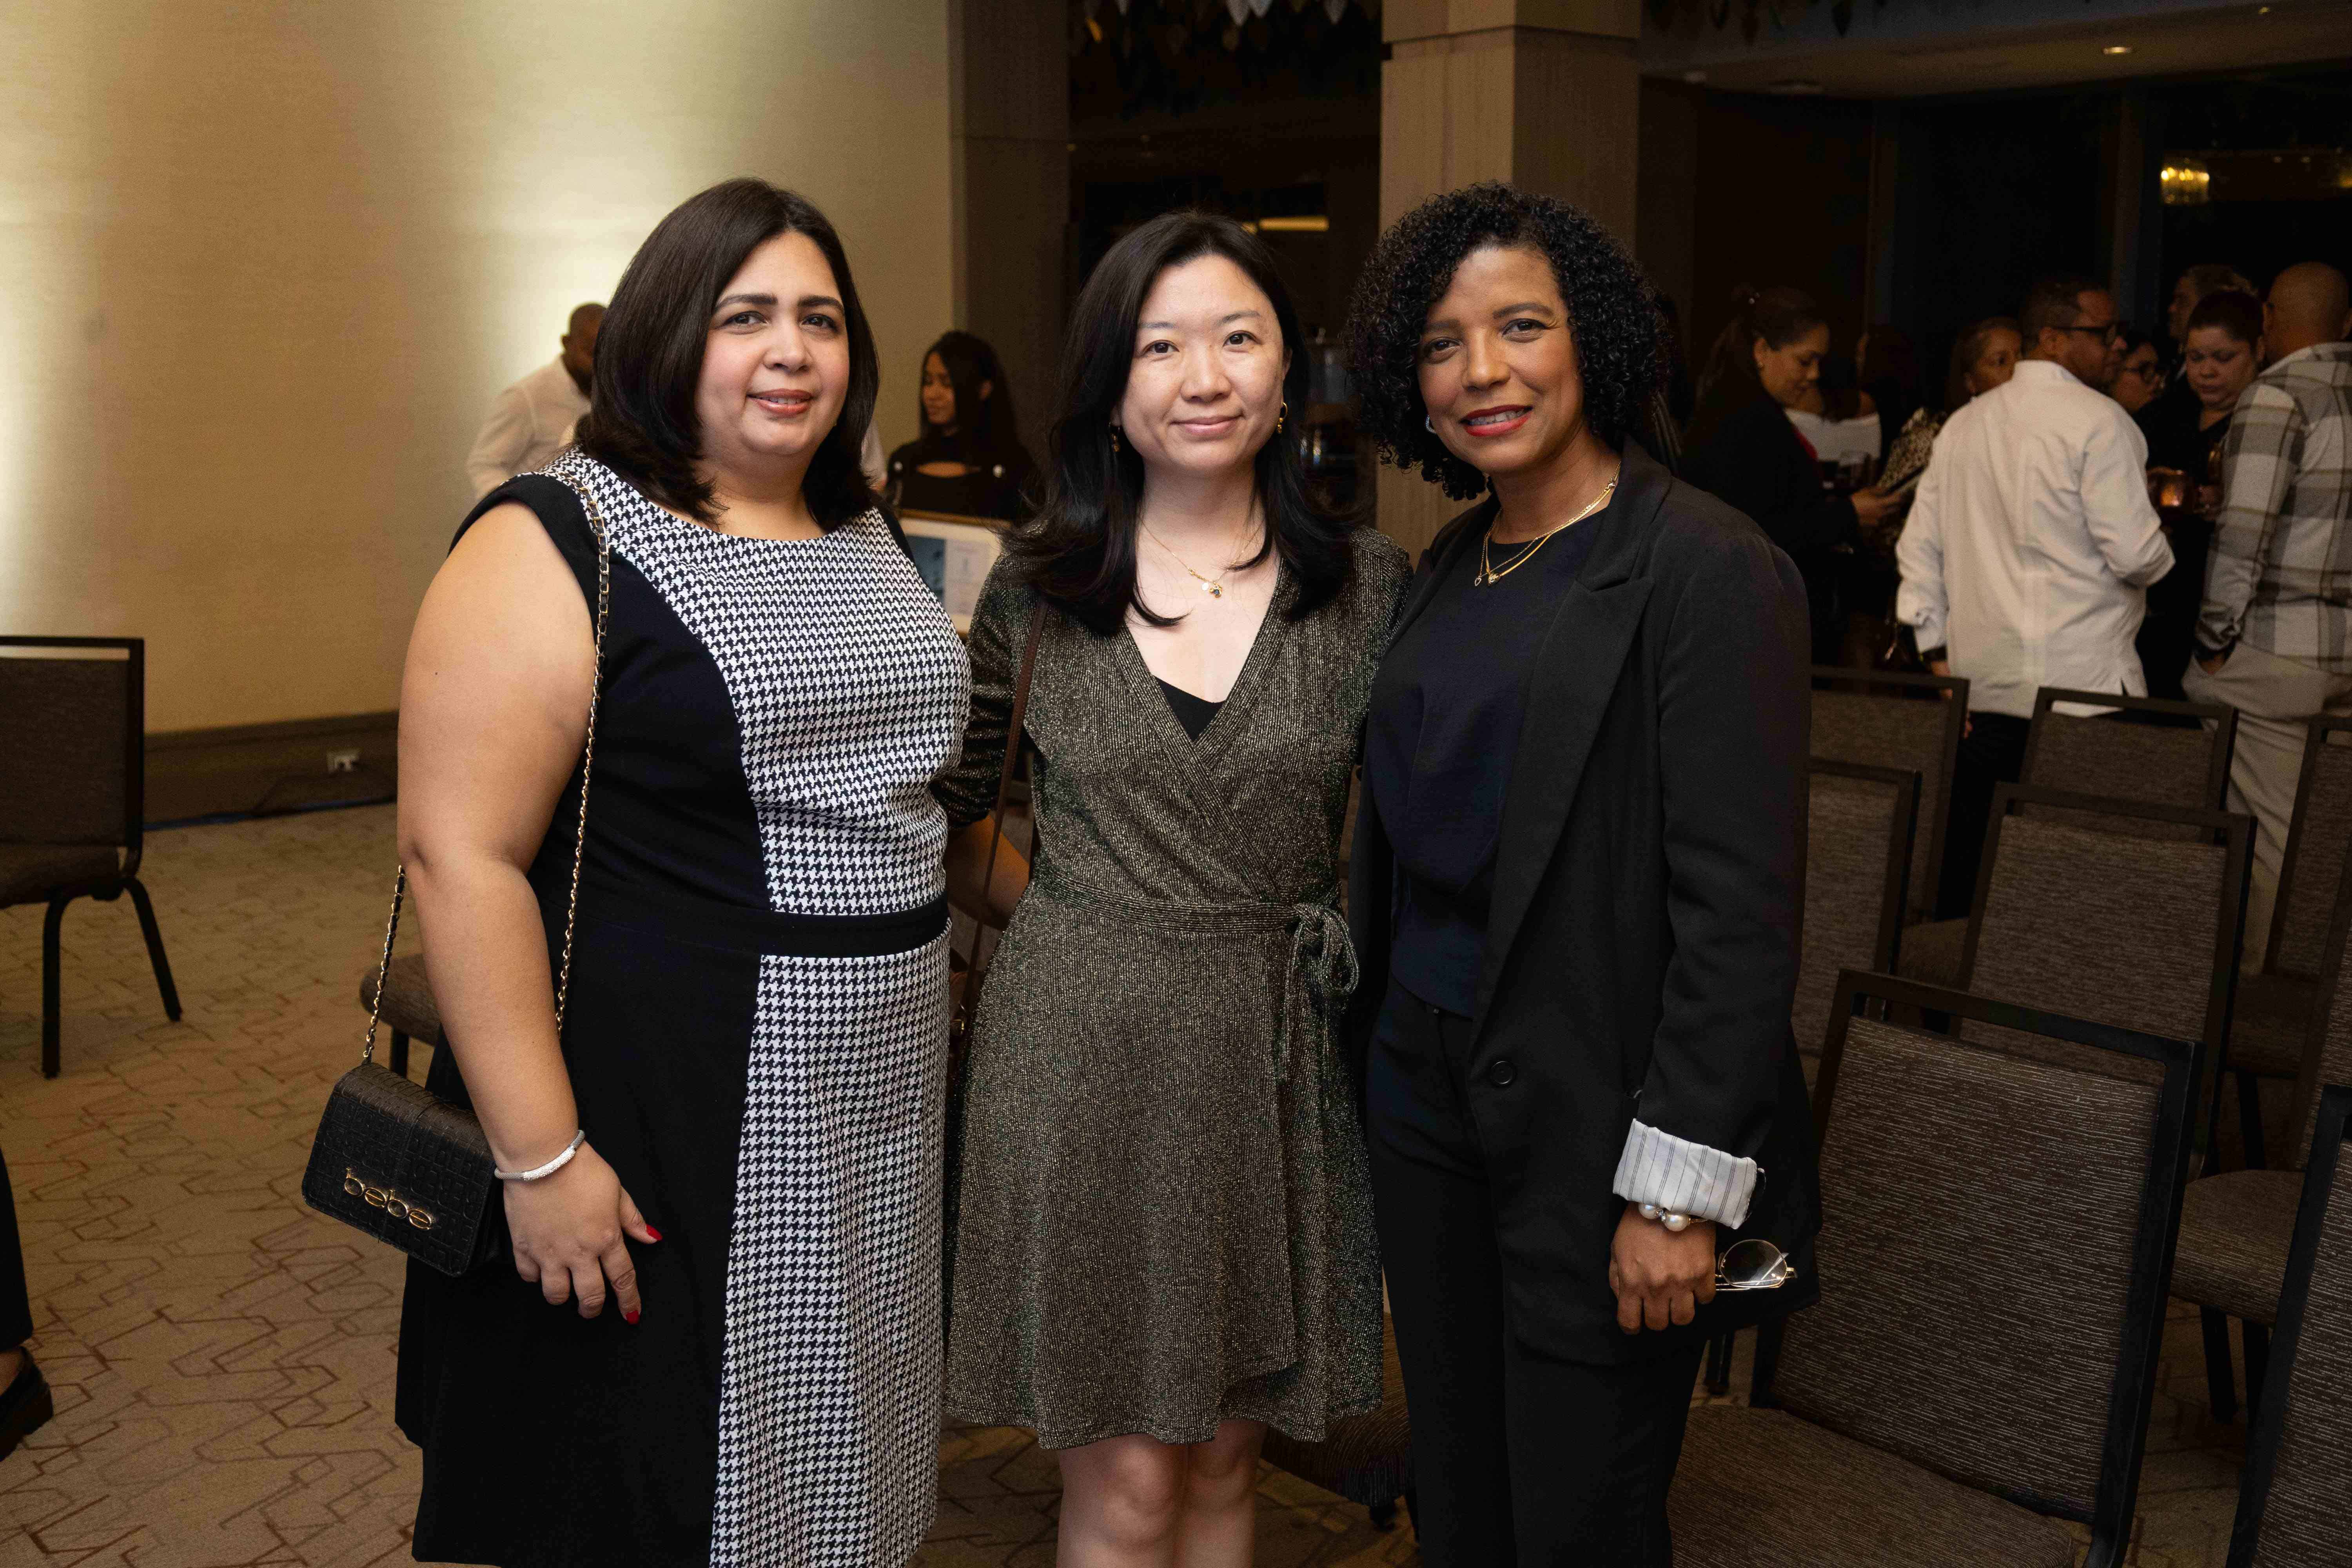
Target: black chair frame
point(2303, 1253)
point(107, 890)
point(2133, 1392)
point(2217, 772)
point(1952, 691)
point(2320, 729)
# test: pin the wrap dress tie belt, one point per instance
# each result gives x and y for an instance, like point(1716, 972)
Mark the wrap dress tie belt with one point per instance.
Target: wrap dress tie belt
point(1317, 981)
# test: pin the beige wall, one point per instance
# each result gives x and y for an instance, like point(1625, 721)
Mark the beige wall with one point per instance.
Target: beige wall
point(263, 267)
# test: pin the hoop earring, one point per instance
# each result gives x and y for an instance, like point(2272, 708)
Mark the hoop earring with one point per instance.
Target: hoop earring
point(1282, 413)
point(1431, 423)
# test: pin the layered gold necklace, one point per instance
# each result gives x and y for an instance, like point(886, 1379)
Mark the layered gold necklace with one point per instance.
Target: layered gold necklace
point(1490, 573)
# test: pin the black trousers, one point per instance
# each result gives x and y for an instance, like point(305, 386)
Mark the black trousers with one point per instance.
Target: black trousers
point(1517, 1459)
point(1991, 753)
point(15, 1306)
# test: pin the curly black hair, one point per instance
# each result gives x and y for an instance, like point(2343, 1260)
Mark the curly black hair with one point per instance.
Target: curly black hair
point(1613, 316)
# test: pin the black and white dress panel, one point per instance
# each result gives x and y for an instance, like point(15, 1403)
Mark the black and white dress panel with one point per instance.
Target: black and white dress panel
point(757, 1011)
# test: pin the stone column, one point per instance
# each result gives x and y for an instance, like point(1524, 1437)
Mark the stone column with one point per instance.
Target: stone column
point(1544, 94)
point(1009, 73)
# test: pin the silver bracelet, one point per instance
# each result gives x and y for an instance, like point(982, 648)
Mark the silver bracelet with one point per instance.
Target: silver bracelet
point(540, 1172)
point(1667, 1217)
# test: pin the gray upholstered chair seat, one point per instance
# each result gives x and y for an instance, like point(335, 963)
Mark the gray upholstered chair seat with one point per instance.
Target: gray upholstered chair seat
point(1757, 1489)
point(1365, 1458)
point(1931, 953)
point(408, 1005)
point(29, 871)
point(2234, 1229)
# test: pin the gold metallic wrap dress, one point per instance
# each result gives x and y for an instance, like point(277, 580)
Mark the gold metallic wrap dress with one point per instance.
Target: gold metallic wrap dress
point(1163, 1216)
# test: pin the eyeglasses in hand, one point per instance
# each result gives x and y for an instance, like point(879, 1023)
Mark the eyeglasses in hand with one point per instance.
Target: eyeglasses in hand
point(1753, 1265)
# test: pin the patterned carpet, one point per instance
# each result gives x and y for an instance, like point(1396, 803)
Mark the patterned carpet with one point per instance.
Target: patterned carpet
point(223, 1358)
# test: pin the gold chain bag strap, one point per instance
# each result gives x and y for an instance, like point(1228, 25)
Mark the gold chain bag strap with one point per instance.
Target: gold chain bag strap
point(393, 1159)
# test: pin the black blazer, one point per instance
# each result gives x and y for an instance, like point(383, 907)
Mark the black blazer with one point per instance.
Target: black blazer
point(1641, 951)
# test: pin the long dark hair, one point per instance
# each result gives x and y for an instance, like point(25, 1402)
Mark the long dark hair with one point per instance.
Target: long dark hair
point(984, 426)
point(1079, 550)
point(641, 420)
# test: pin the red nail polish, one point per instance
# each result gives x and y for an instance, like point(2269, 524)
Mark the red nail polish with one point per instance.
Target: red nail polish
point(631, 1316)
point(652, 1232)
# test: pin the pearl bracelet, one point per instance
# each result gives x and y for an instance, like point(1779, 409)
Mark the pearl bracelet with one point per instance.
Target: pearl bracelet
point(540, 1172)
point(1667, 1217)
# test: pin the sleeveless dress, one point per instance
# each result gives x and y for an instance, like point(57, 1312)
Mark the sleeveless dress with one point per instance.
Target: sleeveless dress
point(1164, 1215)
point(755, 1036)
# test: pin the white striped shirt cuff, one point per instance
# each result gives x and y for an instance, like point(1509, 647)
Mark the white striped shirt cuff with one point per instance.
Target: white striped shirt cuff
point(1684, 1177)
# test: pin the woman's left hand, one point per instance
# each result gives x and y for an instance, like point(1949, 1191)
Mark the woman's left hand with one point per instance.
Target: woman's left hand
point(1660, 1276)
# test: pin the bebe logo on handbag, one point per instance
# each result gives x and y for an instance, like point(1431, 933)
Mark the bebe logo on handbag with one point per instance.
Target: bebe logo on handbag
point(387, 1199)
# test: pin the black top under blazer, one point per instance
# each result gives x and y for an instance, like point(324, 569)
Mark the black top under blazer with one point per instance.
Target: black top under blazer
point(1641, 951)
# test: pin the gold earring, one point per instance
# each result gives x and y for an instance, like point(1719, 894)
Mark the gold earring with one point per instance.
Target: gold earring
point(1281, 414)
point(1114, 438)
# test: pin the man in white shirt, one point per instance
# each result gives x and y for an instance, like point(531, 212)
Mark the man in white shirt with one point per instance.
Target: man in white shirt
point(2027, 554)
point(531, 421)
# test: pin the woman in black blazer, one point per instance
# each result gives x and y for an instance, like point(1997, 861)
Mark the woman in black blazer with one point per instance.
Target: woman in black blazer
point(1574, 895)
point(1742, 448)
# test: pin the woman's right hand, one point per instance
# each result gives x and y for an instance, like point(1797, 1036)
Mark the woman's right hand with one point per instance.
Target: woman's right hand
point(571, 1236)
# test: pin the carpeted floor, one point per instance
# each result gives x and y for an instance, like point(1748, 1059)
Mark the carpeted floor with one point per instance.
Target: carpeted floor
point(224, 1358)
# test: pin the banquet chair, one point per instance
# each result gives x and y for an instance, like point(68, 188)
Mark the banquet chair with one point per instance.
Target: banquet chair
point(73, 749)
point(1909, 723)
point(2075, 911)
point(2185, 763)
point(2294, 1504)
point(1860, 823)
point(2235, 1225)
point(2268, 1027)
point(1999, 1231)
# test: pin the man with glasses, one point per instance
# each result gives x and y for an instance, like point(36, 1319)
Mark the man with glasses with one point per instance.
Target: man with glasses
point(2029, 550)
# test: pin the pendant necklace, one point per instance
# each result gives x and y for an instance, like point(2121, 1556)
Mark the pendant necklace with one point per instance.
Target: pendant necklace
point(1490, 573)
point(1213, 587)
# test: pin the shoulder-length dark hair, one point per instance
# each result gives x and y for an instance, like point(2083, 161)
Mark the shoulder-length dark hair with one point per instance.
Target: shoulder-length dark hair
point(1613, 317)
point(1079, 550)
point(641, 420)
point(983, 425)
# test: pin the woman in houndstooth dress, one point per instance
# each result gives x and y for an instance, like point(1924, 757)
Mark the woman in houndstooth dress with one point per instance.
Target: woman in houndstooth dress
point(758, 970)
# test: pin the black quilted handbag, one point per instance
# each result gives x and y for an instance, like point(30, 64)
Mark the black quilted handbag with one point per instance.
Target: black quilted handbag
point(393, 1159)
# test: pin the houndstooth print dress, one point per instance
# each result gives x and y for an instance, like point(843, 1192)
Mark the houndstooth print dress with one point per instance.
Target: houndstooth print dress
point(755, 1039)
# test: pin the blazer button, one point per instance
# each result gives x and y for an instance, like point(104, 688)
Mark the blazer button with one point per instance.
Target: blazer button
point(1501, 1072)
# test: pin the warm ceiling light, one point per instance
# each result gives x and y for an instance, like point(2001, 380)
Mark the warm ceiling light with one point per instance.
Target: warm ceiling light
point(2117, 49)
point(1316, 224)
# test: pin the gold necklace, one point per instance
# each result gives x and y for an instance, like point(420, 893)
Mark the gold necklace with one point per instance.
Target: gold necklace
point(1213, 587)
point(1489, 573)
